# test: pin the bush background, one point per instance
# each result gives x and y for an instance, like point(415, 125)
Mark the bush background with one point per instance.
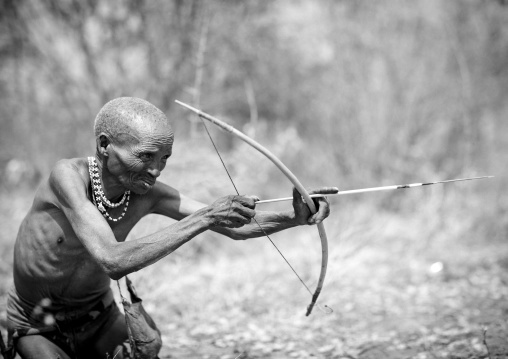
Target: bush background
point(347, 93)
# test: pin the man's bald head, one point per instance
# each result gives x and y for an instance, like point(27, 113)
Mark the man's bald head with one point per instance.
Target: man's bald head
point(124, 117)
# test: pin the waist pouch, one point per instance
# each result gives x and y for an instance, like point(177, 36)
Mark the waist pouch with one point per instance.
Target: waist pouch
point(144, 336)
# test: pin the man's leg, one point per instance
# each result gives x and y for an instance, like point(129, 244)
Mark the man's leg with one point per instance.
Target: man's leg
point(112, 335)
point(104, 336)
point(39, 347)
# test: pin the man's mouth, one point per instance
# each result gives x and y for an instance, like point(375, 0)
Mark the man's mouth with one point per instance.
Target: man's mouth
point(147, 183)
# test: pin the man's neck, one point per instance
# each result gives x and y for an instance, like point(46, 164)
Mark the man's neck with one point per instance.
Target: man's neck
point(110, 186)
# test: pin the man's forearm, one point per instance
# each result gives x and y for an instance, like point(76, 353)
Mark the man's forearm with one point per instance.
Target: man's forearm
point(271, 222)
point(133, 255)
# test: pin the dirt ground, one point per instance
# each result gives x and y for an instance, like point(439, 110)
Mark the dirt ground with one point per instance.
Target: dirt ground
point(381, 315)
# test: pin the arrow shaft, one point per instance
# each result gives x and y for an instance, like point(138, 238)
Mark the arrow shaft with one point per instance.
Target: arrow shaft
point(375, 189)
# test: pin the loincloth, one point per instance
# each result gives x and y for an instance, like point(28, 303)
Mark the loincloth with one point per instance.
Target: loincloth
point(24, 318)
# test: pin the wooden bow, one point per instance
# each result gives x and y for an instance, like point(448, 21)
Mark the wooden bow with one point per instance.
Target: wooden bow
point(294, 181)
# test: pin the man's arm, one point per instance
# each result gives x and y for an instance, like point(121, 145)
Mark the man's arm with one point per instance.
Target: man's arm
point(270, 222)
point(118, 259)
point(169, 202)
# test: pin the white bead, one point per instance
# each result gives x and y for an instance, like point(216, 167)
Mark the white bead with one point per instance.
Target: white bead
point(102, 199)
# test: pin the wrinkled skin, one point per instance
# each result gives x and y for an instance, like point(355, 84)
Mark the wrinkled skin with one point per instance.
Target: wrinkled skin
point(67, 252)
point(135, 159)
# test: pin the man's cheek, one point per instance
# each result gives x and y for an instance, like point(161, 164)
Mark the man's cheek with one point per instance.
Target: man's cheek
point(134, 165)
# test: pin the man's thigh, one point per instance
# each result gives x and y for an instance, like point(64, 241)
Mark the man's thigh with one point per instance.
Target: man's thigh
point(110, 335)
point(39, 347)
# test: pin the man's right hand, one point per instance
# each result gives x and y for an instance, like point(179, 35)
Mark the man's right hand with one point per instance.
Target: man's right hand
point(231, 211)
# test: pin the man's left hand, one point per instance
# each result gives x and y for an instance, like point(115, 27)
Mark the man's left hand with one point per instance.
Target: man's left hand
point(302, 212)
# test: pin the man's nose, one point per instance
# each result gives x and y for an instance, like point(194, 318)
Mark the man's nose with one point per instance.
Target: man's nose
point(154, 171)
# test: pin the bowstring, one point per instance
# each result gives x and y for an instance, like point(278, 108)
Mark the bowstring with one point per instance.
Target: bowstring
point(260, 227)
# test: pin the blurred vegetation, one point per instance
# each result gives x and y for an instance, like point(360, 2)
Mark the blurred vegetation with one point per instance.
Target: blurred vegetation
point(349, 93)
point(380, 90)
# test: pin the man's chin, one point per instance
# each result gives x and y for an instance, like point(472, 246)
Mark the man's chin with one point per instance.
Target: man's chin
point(141, 189)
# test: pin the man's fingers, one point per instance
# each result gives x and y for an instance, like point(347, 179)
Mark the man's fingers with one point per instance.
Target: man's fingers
point(323, 210)
point(242, 219)
point(235, 220)
point(243, 208)
point(247, 201)
point(246, 213)
point(321, 203)
point(234, 211)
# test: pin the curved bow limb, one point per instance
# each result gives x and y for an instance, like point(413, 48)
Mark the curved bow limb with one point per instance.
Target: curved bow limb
point(281, 166)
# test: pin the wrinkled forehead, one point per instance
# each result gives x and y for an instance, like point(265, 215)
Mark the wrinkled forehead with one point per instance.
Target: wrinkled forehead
point(139, 130)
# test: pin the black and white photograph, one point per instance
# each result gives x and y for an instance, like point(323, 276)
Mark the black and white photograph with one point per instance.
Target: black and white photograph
point(231, 179)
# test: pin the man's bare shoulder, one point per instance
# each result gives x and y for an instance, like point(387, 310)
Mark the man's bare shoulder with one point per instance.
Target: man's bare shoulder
point(69, 175)
point(66, 169)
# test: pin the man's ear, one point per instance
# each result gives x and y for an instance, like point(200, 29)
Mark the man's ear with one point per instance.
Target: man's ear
point(103, 143)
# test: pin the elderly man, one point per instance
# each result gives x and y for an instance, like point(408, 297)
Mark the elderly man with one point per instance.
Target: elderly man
point(72, 241)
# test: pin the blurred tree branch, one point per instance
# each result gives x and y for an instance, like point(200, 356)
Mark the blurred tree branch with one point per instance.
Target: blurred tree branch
point(377, 90)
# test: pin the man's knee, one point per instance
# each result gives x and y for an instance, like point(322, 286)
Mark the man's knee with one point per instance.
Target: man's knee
point(39, 347)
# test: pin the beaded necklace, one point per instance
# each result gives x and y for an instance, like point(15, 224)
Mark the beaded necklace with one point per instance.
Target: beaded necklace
point(99, 198)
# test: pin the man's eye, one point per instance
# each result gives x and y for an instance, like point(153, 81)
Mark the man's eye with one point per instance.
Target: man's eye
point(145, 157)
point(165, 158)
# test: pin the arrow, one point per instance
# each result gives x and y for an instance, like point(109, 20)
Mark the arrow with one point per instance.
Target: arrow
point(375, 189)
